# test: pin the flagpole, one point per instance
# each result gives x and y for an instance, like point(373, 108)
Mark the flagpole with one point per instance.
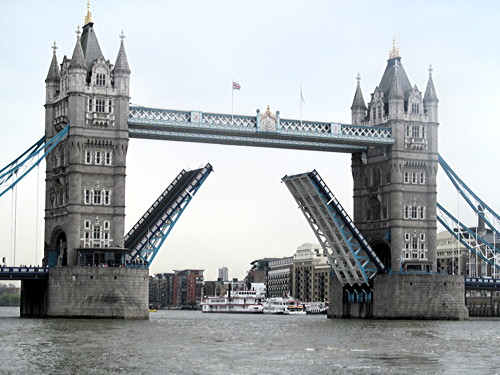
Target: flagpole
point(301, 100)
point(232, 101)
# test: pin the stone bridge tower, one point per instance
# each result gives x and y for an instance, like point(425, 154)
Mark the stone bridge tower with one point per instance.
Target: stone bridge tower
point(85, 174)
point(395, 186)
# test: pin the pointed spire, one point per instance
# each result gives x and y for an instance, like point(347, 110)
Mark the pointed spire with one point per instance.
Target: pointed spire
point(121, 65)
point(88, 16)
point(78, 60)
point(53, 75)
point(396, 91)
point(359, 101)
point(430, 91)
point(395, 51)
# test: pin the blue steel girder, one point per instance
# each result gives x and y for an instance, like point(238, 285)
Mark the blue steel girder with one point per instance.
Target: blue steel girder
point(195, 126)
point(150, 243)
point(469, 196)
point(25, 163)
point(351, 257)
point(473, 241)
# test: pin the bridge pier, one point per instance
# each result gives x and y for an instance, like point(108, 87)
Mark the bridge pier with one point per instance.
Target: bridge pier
point(98, 292)
point(405, 296)
point(33, 298)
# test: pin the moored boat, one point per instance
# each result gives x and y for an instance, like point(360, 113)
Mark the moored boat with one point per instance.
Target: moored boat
point(239, 301)
point(279, 305)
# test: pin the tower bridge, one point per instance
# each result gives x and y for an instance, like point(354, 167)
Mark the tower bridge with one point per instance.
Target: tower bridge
point(384, 257)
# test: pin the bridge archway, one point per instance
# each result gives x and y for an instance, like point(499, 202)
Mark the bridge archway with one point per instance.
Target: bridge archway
point(383, 251)
point(58, 251)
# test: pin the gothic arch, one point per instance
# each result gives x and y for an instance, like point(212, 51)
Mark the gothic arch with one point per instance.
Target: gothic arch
point(383, 251)
point(58, 245)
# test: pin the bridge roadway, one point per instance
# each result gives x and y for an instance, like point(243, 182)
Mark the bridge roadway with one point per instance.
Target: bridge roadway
point(267, 130)
point(36, 273)
point(23, 273)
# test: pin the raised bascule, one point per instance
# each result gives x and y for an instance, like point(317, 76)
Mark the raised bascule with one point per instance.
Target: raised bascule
point(384, 258)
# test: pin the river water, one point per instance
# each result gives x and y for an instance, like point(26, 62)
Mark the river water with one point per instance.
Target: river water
point(190, 342)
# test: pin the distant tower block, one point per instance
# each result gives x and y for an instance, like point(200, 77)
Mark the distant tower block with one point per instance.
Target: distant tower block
point(223, 274)
point(395, 186)
point(85, 174)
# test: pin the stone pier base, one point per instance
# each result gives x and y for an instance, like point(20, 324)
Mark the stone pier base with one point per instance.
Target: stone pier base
point(88, 292)
point(419, 297)
point(96, 292)
point(405, 296)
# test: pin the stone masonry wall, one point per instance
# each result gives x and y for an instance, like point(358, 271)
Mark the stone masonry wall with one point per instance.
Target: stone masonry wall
point(419, 297)
point(95, 292)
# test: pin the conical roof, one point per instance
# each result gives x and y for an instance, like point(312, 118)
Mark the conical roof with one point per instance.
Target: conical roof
point(121, 65)
point(394, 68)
point(430, 91)
point(78, 59)
point(396, 90)
point(90, 45)
point(359, 101)
point(53, 75)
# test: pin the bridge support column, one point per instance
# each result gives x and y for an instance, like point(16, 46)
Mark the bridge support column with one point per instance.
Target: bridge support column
point(33, 298)
point(419, 296)
point(341, 307)
point(98, 292)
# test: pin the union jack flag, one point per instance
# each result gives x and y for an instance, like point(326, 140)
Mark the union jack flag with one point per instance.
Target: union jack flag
point(236, 86)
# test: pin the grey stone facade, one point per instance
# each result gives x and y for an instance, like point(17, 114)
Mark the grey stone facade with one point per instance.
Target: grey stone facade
point(85, 173)
point(405, 296)
point(98, 292)
point(395, 186)
point(419, 297)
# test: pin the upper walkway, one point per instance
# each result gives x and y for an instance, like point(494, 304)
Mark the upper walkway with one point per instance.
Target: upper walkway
point(266, 130)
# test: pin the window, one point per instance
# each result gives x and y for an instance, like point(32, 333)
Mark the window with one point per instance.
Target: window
point(413, 178)
point(414, 213)
point(90, 104)
point(110, 106)
point(86, 224)
point(100, 105)
point(100, 79)
point(421, 212)
point(97, 233)
point(107, 197)
point(408, 131)
point(88, 157)
point(407, 236)
point(421, 178)
point(414, 244)
point(106, 225)
point(87, 196)
point(407, 210)
point(422, 237)
point(97, 197)
point(108, 158)
point(98, 157)
point(406, 177)
point(415, 108)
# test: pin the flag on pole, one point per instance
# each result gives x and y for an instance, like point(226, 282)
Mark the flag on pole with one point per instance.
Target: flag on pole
point(236, 86)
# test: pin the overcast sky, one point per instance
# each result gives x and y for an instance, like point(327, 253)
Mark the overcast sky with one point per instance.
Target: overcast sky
point(184, 55)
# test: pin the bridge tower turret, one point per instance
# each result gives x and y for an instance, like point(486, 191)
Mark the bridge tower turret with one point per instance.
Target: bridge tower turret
point(358, 108)
point(85, 174)
point(395, 186)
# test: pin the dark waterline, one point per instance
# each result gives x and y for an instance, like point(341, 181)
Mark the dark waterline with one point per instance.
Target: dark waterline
point(190, 342)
